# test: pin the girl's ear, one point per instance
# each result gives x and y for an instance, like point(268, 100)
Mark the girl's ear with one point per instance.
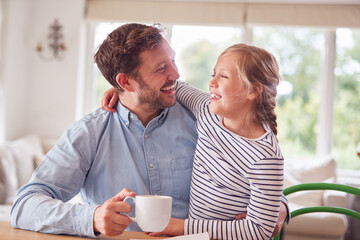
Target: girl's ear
point(255, 92)
point(125, 82)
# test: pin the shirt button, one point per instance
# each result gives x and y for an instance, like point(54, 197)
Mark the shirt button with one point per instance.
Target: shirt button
point(131, 116)
point(151, 165)
point(146, 136)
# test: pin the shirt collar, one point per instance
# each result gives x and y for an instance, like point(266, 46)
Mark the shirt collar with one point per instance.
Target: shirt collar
point(127, 116)
point(123, 113)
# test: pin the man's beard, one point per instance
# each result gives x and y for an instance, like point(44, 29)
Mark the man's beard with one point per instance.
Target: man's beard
point(152, 98)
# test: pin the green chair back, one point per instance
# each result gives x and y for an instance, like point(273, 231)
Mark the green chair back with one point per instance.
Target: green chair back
point(322, 186)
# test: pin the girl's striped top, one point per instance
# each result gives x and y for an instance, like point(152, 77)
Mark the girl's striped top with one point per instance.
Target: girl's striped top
point(231, 175)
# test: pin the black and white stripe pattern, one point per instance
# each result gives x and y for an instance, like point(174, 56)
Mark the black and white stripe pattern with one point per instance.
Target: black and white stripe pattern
point(231, 175)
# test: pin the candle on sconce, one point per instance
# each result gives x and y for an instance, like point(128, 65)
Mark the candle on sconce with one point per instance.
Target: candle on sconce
point(39, 47)
point(62, 46)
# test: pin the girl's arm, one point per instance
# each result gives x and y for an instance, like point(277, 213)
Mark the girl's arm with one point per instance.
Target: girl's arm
point(262, 211)
point(109, 100)
point(191, 97)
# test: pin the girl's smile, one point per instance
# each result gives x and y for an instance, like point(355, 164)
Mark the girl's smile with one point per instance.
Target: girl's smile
point(214, 97)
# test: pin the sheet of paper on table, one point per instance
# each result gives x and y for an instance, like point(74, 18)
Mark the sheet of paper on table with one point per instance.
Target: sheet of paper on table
point(199, 236)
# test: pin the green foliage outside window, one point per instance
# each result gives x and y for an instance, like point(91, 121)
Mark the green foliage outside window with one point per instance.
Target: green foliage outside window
point(198, 61)
point(347, 102)
point(298, 52)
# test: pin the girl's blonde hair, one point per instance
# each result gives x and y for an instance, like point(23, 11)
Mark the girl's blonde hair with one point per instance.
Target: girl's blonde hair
point(260, 71)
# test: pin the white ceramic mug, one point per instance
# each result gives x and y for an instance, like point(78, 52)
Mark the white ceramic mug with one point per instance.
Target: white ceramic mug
point(152, 212)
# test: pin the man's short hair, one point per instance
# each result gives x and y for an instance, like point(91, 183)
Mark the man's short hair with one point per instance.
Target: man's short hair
point(119, 52)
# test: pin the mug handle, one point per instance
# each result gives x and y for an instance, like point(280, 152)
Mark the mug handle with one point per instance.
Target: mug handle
point(129, 197)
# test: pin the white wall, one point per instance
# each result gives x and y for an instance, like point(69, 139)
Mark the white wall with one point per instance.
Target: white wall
point(38, 96)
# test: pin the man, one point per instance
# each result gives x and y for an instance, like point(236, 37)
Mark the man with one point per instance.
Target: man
point(146, 146)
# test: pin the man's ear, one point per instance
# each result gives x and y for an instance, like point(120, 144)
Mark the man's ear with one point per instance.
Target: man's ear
point(125, 82)
point(256, 91)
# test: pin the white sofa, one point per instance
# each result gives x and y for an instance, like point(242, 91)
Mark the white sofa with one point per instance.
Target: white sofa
point(315, 226)
point(18, 159)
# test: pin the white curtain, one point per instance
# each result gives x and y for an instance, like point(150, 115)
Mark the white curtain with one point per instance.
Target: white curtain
point(310, 15)
point(172, 12)
point(225, 13)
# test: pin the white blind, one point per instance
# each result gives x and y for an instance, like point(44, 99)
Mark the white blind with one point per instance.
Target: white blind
point(224, 13)
point(304, 15)
point(210, 13)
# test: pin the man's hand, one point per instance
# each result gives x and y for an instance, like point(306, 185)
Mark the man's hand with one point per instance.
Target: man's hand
point(109, 99)
point(107, 218)
point(174, 228)
point(280, 221)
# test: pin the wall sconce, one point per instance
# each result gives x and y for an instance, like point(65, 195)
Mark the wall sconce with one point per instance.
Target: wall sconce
point(56, 45)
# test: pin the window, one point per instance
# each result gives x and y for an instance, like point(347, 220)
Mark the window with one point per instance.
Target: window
point(101, 84)
point(198, 48)
point(298, 51)
point(346, 128)
point(2, 99)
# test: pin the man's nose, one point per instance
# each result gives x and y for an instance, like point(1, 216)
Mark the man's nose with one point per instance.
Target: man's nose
point(174, 73)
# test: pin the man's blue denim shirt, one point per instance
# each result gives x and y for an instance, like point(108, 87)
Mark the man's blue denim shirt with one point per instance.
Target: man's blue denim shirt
point(100, 155)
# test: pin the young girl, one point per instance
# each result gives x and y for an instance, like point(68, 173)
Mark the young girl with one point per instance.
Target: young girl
point(238, 165)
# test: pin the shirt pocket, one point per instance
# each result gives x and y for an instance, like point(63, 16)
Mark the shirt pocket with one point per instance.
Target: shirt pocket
point(181, 170)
